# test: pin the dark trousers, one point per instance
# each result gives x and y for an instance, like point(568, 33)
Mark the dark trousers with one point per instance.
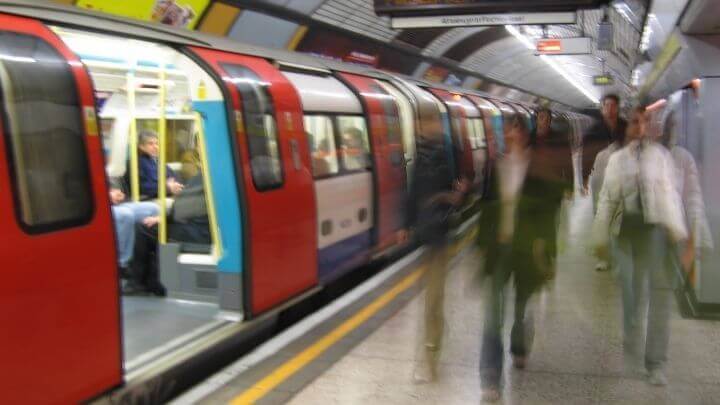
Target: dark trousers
point(144, 269)
point(499, 266)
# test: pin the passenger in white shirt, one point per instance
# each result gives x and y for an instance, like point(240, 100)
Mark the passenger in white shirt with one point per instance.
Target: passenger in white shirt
point(639, 203)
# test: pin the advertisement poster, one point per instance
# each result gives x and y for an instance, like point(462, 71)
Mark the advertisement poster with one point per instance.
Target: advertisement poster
point(177, 13)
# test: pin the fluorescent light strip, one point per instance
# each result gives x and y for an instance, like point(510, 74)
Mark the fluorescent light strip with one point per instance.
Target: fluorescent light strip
point(525, 41)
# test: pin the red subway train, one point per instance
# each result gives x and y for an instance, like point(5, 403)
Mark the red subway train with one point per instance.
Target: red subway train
point(303, 165)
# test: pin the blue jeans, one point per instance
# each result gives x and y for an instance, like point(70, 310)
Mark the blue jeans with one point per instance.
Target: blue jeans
point(640, 257)
point(126, 215)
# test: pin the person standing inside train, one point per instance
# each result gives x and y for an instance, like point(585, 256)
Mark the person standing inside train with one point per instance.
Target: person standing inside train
point(432, 198)
point(640, 205)
point(518, 232)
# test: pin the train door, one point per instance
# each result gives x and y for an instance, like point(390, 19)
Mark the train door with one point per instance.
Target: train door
point(387, 148)
point(461, 140)
point(492, 122)
point(407, 126)
point(278, 186)
point(59, 306)
point(337, 134)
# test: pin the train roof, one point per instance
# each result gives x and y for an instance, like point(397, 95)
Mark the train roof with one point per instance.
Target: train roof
point(89, 20)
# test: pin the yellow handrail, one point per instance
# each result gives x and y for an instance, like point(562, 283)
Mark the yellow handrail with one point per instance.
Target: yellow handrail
point(209, 195)
point(162, 161)
point(134, 172)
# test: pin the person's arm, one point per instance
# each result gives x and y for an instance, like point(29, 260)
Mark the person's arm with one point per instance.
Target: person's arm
point(608, 202)
point(695, 205)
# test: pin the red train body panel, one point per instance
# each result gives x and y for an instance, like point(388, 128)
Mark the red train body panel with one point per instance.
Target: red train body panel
point(59, 295)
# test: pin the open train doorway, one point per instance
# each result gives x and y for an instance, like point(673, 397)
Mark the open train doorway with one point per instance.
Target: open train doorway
point(161, 117)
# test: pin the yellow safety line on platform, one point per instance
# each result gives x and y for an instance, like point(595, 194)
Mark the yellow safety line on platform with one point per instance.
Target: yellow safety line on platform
point(292, 366)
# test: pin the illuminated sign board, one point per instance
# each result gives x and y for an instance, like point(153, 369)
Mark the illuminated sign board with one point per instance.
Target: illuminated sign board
point(178, 13)
point(603, 80)
point(483, 20)
point(564, 46)
point(449, 7)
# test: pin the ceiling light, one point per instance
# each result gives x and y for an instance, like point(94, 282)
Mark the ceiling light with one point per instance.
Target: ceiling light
point(554, 65)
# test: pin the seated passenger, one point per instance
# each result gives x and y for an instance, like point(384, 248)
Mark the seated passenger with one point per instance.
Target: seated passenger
point(148, 168)
point(188, 223)
point(354, 152)
point(126, 215)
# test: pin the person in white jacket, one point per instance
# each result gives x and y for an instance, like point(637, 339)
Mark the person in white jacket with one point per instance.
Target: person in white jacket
point(640, 204)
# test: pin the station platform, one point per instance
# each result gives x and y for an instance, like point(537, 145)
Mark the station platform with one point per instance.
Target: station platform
point(364, 347)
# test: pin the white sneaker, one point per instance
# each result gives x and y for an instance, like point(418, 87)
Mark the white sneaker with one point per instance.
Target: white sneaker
point(424, 373)
point(657, 378)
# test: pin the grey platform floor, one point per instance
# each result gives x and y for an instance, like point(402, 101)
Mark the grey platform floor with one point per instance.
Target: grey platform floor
point(149, 322)
point(577, 355)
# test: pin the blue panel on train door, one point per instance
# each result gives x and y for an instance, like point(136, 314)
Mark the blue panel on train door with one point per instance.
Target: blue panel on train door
point(497, 122)
point(224, 183)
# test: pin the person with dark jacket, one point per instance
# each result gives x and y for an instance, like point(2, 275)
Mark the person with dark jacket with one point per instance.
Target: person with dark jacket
point(433, 197)
point(148, 168)
point(604, 132)
point(518, 232)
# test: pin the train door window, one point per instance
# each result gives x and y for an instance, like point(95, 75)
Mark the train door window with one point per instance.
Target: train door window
point(262, 136)
point(353, 143)
point(407, 123)
point(479, 132)
point(321, 139)
point(392, 122)
point(44, 133)
point(471, 133)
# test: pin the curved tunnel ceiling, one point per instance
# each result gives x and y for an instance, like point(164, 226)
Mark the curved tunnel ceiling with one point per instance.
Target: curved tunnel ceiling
point(494, 53)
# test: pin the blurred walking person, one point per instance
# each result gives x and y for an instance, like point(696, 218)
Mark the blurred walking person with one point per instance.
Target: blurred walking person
point(688, 182)
point(518, 231)
point(640, 204)
point(433, 197)
point(600, 141)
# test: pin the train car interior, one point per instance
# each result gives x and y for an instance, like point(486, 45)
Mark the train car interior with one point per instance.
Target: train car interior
point(147, 89)
point(342, 168)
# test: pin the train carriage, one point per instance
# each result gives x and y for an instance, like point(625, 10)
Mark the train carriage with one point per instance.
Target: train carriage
point(303, 166)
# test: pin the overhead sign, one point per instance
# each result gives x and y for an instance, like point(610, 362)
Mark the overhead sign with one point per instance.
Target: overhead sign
point(178, 13)
point(483, 20)
point(564, 46)
point(448, 7)
point(603, 80)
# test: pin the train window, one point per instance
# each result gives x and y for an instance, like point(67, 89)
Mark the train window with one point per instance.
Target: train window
point(479, 132)
point(354, 143)
point(319, 130)
point(471, 134)
point(261, 132)
point(48, 156)
point(392, 122)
